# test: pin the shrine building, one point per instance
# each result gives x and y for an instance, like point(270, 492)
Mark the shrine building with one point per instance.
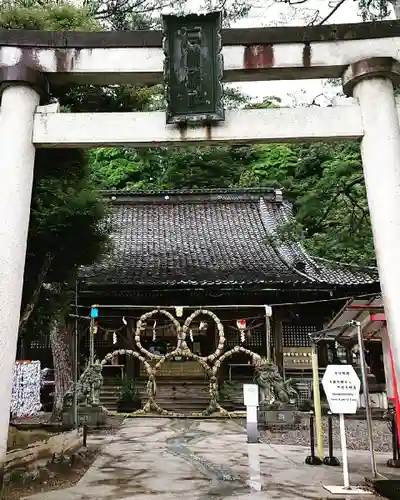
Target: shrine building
point(219, 250)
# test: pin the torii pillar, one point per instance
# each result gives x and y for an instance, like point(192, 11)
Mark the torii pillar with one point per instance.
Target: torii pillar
point(371, 82)
point(20, 90)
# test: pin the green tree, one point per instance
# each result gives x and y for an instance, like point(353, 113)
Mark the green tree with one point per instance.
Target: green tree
point(325, 182)
point(176, 168)
point(64, 234)
point(64, 231)
point(54, 17)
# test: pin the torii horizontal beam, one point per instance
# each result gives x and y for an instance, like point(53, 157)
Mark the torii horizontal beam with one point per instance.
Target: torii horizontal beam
point(85, 130)
point(136, 57)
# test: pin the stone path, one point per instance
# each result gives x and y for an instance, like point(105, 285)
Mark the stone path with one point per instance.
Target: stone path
point(164, 459)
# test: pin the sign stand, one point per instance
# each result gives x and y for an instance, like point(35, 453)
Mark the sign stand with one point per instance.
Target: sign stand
point(342, 388)
point(343, 445)
point(250, 394)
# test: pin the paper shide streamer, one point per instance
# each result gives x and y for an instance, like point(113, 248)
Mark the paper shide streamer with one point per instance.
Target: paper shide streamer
point(25, 399)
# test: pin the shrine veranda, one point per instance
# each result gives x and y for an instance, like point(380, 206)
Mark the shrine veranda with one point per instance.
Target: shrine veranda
point(366, 57)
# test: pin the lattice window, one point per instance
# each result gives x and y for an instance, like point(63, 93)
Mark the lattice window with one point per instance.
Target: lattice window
point(41, 343)
point(100, 341)
point(162, 330)
point(255, 340)
point(103, 342)
point(296, 335)
point(232, 339)
point(303, 390)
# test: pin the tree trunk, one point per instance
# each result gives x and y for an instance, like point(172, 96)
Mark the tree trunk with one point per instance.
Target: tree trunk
point(60, 339)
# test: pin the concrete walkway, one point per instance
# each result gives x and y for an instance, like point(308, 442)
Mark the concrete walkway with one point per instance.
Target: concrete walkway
point(164, 459)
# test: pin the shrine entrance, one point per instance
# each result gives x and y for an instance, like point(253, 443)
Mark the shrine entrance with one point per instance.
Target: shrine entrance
point(193, 56)
point(173, 374)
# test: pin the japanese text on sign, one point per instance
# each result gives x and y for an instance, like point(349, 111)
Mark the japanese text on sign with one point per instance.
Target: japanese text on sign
point(342, 386)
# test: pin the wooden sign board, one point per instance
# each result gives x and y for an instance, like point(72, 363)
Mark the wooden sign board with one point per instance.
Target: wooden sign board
point(193, 68)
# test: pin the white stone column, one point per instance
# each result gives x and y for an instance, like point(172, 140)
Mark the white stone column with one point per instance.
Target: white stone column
point(370, 81)
point(17, 154)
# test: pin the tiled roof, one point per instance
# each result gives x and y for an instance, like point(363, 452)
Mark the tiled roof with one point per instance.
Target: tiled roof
point(216, 237)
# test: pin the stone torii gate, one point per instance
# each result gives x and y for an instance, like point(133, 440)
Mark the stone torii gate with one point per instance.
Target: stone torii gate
point(366, 57)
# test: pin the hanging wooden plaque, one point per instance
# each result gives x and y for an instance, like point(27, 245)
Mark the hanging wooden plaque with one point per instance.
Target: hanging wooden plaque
point(193, 68)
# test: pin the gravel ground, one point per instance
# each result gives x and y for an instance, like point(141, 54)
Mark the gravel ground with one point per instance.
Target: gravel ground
point(356, 434)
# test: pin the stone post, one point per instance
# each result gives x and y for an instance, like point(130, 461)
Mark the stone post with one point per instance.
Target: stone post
point(371, 82)
point(19, 90)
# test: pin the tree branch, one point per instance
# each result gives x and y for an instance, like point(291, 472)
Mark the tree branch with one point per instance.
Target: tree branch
point(337, 6)
point(344, 190)
point(364, 212)
point(314, 18)
point(293, 2)
point(30, 306)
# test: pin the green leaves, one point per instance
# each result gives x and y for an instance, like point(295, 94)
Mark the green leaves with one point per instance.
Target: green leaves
point(55, 17)
point(325, 182)
point(65, 215)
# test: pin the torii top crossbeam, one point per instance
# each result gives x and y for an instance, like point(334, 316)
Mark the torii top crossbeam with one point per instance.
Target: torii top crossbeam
point(136, 57)
point(48, 59)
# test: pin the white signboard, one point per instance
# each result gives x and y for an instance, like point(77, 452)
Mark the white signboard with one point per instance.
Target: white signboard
point(250, 394)
point(342, 388)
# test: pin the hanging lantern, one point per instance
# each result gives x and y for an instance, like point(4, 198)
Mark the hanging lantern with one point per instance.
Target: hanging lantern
point(115, 340)
point(191, 335)
point(94, 312)
point(241, 325)
point(179, 311)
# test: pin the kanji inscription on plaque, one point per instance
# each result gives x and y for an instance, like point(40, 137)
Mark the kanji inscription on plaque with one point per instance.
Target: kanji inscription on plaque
point(193, 68)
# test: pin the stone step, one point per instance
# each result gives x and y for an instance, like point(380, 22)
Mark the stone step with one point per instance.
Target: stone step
point(108, 398)
point(109, 392)
point(179, 400)
point(182, 408)
point(109, 395)
point(163, 402)
point(175, 381)
point(111, 407)
point(183, 396)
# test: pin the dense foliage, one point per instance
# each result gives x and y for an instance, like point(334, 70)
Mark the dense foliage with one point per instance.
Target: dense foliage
point(64, 230)
point(324, 180)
